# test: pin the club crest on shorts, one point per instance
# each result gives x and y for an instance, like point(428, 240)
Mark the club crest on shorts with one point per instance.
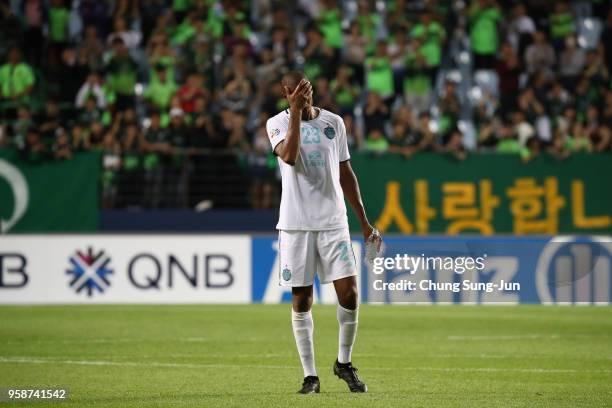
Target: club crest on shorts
point(330, 133)
point(286, 273)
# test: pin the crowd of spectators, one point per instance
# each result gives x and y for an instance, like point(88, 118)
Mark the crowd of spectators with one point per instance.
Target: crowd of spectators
point(150, 82)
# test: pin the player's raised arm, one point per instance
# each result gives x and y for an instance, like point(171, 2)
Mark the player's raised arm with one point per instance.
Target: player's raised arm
point(289, 149)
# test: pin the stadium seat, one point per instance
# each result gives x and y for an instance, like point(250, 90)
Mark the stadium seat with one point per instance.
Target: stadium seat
point(589, 32)
point(487, 81)
point(468, 130)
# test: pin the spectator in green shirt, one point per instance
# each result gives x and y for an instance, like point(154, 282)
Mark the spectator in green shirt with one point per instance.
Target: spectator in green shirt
point(561, 25)
point(345, 92)
point(214, 23)
point(431, 36)
point(122, 74)
point(376, 142)
point(330, 24)
point(184, 32)
point(484, 17)
point(369, 22)
point(159, 93)
point(578, 140)
point(59, 17)
point(379, 73)
point(235, 23)
point(16, 78)
point(417, 84)
point(509, 143)
point(180, 8)
point(319, 57)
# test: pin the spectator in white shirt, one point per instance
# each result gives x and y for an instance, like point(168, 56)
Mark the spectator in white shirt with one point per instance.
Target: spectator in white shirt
point(131, 38)
point(92, 86)
point(540, 55)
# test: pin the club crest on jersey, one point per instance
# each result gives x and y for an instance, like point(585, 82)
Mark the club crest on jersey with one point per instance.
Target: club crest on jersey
point(274, 132)
point(286, 274)
point(330, 133)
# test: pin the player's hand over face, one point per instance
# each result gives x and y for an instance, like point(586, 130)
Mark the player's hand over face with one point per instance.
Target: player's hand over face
point(301, 95)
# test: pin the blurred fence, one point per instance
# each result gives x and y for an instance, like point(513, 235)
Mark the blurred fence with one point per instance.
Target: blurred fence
point(429, 193)
point(50, 195)
point(183, 180)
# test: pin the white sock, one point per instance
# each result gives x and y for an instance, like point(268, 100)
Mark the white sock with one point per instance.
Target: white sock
point(348, 331)
point(303, 329)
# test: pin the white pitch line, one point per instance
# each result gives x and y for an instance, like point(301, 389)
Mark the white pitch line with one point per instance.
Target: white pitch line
point(109, 341)
point(518, 370)
point(208, 355)
point(207, 339)
point(522, 337)
point(260, 356)
point(39, 360)
point(130, 340)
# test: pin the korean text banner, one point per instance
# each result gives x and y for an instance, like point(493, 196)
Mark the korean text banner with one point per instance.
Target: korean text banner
point(486, 194)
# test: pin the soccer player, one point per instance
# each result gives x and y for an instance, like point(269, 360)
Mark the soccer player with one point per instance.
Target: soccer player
point(311, 147)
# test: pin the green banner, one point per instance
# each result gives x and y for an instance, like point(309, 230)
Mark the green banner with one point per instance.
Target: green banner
point(54, 195)
point(486, 194)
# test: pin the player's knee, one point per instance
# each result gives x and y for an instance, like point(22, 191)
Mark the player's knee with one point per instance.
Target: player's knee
point(301, 305)
point(349, 299)
point(302, 300)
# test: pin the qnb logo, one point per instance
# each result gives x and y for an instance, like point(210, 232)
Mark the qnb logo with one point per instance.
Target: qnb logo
point(575, 270)
point(90, 271)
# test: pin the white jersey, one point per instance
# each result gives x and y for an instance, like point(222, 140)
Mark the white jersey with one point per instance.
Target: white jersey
point(312, 198)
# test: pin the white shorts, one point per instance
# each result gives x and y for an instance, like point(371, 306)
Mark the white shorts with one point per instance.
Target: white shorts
point(306, 253)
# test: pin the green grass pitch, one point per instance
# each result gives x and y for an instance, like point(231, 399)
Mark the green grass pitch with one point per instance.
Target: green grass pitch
point(244, 356)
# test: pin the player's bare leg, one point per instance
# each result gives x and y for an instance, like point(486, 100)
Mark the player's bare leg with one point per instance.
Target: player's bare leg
point(348, 311)
point(303, 330)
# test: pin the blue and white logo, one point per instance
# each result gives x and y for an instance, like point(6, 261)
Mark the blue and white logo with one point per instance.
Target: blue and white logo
point(90, 271)
point(575, 270)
